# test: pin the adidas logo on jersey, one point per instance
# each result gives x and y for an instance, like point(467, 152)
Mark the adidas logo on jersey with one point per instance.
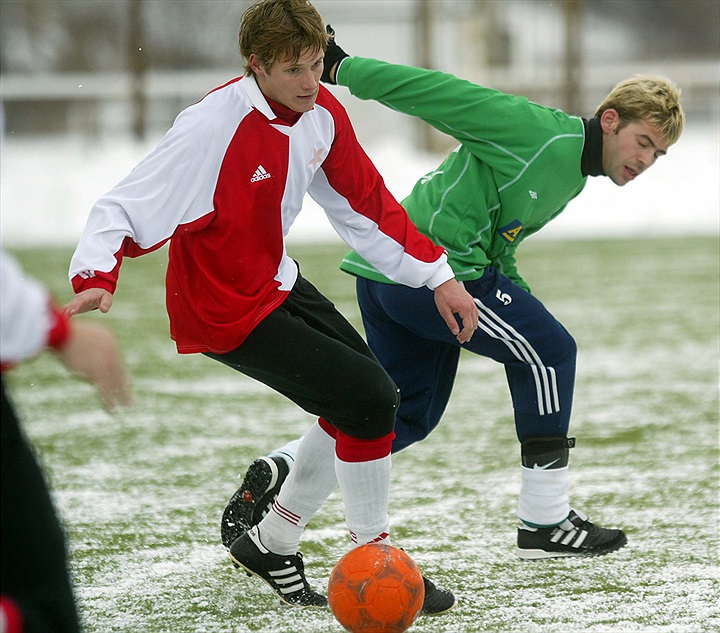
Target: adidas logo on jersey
point(260, 174)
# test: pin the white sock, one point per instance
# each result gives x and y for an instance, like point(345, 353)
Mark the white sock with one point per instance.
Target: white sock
point(310, 482)
point(365, 487)
point(544, 496)
point(287, 452)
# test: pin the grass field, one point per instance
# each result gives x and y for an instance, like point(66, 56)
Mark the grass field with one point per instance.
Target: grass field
point(142, 493)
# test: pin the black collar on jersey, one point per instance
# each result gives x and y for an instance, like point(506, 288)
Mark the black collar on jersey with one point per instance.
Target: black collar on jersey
point(591, 162)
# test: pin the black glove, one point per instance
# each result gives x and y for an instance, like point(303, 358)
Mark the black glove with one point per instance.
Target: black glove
point(333, 55)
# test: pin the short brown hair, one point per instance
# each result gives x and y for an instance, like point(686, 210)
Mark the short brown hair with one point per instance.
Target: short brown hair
point(652, 99)
point(279, 29)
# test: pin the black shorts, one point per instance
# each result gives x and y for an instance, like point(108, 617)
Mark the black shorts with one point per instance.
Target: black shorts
point(33, 565)
point(306, 350)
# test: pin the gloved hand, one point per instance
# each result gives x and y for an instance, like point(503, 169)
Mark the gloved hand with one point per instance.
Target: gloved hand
point(333, 55)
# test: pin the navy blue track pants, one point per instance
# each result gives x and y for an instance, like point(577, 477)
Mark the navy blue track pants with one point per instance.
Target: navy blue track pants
point(414, 345)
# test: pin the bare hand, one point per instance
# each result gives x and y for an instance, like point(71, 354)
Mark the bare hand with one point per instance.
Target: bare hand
point(451, 299)
point(90, 299)
point(92, 353)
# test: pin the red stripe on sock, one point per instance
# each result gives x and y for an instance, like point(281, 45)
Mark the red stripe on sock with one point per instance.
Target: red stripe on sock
point(327, 427)
point(290, 517)
point(354, 449)
point(381, 537)
point(378, 539)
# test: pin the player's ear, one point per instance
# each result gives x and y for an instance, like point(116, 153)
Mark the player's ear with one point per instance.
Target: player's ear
point(609, 120)
point(255, 65)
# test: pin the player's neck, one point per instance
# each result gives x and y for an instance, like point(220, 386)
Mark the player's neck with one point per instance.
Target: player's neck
point(285, 114)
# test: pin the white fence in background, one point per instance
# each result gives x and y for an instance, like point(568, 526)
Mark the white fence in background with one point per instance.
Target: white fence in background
point(100, 104)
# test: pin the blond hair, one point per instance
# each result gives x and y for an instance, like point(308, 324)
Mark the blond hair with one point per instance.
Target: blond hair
point(652, 99)
point(280, 29)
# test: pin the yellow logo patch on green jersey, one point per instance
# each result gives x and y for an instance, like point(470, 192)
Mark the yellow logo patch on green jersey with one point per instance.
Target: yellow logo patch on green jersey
point(510, 232)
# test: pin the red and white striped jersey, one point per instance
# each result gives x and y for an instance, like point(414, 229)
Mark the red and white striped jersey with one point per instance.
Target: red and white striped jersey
point(225, 185)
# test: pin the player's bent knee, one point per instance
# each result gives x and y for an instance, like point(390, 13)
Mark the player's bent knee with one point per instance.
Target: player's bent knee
point(563, 346)
point(373, 414)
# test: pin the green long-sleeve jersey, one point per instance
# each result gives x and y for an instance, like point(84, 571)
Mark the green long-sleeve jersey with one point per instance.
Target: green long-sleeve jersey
point(516, 168)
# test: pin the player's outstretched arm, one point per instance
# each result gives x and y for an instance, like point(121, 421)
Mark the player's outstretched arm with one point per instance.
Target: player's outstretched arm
point(90, 299)
point(451, 299)
point(92, 353)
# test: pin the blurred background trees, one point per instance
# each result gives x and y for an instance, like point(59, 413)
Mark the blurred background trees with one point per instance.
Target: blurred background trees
point(128, 66)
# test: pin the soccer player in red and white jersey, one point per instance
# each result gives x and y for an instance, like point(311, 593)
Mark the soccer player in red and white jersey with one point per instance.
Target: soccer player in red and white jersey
point(35, 589)
point(224, 186)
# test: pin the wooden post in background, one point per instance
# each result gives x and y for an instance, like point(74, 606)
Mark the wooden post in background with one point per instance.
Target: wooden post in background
point(424, 57)
point(137, 66)
point(573, 63)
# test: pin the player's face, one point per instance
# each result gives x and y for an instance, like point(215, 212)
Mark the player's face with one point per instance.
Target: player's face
point(629, 149)
point(293, 84)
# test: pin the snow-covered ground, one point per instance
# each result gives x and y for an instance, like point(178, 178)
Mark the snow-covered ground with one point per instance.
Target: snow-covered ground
point(142, 493)
point(49, 184)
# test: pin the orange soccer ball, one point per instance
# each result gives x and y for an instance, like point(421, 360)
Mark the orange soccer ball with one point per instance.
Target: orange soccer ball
point(376, 588)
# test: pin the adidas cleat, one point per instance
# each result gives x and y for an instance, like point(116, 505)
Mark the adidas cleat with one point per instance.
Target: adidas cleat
point(284, 574)
point(254, 498)
point(436, 600)
point(575, 536)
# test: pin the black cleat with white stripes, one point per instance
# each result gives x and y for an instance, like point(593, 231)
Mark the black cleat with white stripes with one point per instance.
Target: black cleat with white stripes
point(284, 574)
point(576, 536)
point(253, 499)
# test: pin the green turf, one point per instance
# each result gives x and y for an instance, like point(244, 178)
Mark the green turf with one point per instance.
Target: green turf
point(142, 493)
